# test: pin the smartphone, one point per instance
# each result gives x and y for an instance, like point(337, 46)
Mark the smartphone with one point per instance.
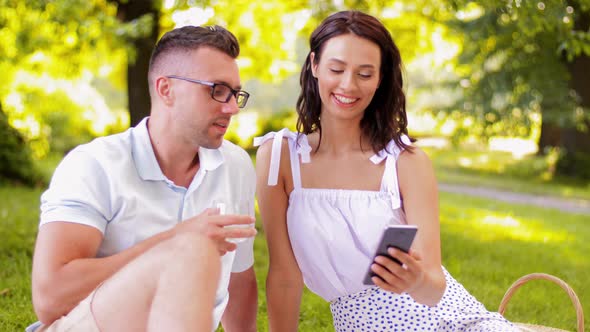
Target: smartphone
point(397, 236)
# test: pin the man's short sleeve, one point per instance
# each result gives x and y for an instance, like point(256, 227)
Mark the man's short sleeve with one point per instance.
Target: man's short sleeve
point(78, 192)
point(244, 258)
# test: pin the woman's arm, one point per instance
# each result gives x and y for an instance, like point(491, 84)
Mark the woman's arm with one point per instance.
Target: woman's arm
point(422, 276)
point(284, 283)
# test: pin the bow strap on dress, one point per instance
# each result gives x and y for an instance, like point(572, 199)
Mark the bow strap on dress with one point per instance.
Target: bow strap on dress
point(297, 142)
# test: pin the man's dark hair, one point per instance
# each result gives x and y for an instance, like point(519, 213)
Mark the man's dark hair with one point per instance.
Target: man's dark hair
point(191, 38)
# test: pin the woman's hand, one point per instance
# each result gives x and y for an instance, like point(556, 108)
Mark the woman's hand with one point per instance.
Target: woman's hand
point(393, 277)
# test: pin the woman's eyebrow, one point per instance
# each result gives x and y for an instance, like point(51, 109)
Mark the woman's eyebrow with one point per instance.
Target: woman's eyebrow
point(344, 63)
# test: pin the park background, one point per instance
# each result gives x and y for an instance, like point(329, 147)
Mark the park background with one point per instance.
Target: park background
point(498, 95)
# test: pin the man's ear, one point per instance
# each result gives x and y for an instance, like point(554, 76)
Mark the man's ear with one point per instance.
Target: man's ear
point(164, 90)
point(314, 66)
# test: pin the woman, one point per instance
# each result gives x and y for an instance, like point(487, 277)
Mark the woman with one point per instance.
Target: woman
point(327, 193)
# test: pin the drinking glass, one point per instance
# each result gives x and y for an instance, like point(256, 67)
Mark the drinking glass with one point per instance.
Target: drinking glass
point(239, 207)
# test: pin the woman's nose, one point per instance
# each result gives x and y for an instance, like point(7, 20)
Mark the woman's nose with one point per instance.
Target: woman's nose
point(348, 81)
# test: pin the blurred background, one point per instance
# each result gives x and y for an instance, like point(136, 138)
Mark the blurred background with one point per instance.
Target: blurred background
point(498, 95)
point(506, 75)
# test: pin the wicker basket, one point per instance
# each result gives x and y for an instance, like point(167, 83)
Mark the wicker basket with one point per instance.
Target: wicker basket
point(538, 328)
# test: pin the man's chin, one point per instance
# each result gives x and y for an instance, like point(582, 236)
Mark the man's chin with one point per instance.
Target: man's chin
point(213, 145)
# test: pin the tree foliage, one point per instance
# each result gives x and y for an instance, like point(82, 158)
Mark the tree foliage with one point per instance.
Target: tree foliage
point(15, 160)
point(60, 38)
point(518, 61)
point(43, 43)
point(527, 61)
point(513, 65)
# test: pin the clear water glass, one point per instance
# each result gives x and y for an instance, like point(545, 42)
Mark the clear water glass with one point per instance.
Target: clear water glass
point(241, 207)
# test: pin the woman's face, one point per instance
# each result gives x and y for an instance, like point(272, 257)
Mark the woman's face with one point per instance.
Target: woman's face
point(348, 75)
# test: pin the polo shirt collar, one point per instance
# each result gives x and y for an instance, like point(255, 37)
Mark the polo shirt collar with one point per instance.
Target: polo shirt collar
point(145, 159)
point(210, 159)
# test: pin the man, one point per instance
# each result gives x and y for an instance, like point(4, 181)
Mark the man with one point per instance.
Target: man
point(126, 240)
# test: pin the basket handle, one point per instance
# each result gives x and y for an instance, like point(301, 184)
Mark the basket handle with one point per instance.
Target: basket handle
point(570, 292)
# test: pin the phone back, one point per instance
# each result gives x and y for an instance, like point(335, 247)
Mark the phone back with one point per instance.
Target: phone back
point(400, 237)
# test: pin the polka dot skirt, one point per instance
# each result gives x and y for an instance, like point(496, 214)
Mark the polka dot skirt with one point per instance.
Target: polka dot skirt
point(374, 309)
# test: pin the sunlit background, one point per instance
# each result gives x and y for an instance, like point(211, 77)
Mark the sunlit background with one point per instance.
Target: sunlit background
point(75, 66)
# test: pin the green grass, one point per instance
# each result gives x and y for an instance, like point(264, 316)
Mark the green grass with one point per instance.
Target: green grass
point(19, 213)
point(486, 246)
point(531, 174)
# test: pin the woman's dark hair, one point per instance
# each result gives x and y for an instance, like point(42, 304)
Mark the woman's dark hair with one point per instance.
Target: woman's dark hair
point(385, 117)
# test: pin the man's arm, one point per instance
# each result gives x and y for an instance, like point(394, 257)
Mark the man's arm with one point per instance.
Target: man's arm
point(241, 310)
point(65, 269)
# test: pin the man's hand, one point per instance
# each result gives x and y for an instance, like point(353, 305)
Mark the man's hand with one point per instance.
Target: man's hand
point(211, 224)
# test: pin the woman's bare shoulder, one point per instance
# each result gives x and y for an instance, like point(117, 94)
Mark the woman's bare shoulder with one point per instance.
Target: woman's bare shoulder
point(413, 158)
point(264, 151)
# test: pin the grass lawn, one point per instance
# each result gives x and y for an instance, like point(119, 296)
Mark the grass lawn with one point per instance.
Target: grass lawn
point(18, 227)
point(486, 246)
point(531, 174)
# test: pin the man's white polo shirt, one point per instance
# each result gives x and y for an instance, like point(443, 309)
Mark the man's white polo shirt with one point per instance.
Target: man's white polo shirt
point(115, 184)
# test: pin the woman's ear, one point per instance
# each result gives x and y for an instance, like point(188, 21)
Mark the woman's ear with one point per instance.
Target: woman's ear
point(314, 66)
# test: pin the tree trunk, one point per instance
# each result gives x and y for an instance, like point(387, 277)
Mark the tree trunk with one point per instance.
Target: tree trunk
point(571, 138)
point(550, 137)
point(575, 140)
point(137, 66)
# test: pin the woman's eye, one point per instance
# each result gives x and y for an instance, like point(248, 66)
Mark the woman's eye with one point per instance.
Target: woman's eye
point(367, 76)
point(336, 71)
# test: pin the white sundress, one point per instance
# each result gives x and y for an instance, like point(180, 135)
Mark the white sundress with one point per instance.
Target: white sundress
point(334, 242)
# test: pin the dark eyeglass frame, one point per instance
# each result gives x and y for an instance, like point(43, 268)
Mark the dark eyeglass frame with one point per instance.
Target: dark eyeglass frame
point(240, 95)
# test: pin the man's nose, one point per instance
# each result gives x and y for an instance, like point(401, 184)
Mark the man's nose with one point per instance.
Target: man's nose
point(231, 107)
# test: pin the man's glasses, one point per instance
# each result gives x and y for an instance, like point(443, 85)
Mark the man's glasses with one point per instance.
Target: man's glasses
point(220, 92)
